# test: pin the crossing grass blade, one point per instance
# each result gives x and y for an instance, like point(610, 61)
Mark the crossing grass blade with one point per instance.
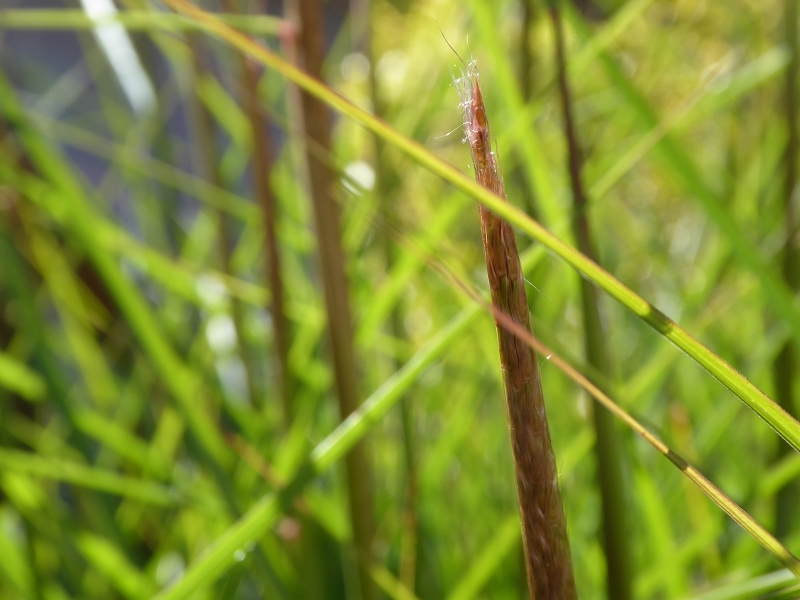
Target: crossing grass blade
point(760, 403)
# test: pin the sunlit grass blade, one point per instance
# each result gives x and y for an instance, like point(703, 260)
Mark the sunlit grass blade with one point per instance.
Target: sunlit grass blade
point(685, 171)
point(134, 20)
point(776, 417)
point(106, 557)
point(757, 587)
point(724, 502)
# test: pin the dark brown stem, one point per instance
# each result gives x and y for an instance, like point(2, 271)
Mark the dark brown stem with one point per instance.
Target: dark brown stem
point(525, 53)
point(785, 363)
point(608, 450)
point(316, 119)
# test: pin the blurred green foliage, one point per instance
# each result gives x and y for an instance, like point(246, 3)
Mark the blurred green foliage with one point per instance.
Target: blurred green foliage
point(140, 415)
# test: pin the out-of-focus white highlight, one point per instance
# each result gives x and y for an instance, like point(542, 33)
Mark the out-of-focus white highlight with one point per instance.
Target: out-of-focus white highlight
point(118, 48)
point(391, 71)
point(212, 291)
point(221, 334)
point(355, 68)
point(362, 174)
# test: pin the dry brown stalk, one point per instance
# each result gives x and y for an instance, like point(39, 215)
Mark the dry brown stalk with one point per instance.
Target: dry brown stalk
point(548, 562)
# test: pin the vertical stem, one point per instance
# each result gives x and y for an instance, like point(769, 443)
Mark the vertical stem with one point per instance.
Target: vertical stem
point(607, 441)
point(785, 362)
point(526, 60)
point(331, 256)
point(262, 167)
point(544, 528)
point(525, 54)
point(209, 162)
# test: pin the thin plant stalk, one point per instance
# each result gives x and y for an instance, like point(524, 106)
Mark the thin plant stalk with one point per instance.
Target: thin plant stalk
point(785, 363)
point(716, 495)
point(317, 126)
point(526, 57)
point(261, 168)
point(608, 450)
point(209, 163)
point(548, 563)
point(785, 425)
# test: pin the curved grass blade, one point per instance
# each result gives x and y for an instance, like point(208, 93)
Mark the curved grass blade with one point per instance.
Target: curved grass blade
point(774, 415)
point(723, 501)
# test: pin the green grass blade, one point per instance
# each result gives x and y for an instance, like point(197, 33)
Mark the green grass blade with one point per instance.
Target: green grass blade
point(684, 170)
point(65, 201)
point(504, 541)
point(752, 588)
point(86, 476)
point(134, 20)
point(107, 558)
point(17, 377)
point(220, 556)
point(775, 416)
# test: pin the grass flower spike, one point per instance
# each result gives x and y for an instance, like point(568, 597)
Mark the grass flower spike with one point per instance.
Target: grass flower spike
point(547, 556)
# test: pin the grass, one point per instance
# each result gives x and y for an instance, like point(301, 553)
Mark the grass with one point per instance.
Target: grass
point(132, 465)
point(548, 564)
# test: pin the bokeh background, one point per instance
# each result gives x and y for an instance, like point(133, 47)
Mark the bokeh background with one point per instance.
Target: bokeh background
point(152, 391)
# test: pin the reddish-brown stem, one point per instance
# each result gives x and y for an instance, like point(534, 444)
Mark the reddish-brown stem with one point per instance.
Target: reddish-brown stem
point(547, 555)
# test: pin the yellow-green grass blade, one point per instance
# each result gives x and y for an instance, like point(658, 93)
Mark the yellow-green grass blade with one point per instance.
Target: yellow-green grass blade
point(134, 20)
point(504, 541)
point(19, 378)
point(775, 416)
point(14, 563)
point(705, 102)
point(681, 165)
point(121, 441)
point(87, 476)
point(75, 316)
